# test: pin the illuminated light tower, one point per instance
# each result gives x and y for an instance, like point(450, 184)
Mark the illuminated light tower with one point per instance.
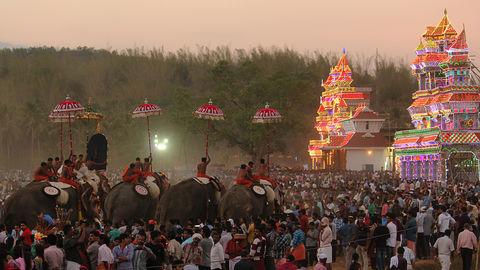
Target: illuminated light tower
point(445, 142)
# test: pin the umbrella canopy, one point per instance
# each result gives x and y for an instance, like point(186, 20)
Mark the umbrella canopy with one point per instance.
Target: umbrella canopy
point(89, 113)
point(68, 107)
point(267, 115)
point(146, 109)
point(86, 115)
point(209, 111)
point(65, 112)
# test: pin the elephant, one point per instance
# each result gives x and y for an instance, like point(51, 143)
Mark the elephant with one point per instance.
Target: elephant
point(57, 199)
point(190, 199)
point(133, 201)
point(241, 202)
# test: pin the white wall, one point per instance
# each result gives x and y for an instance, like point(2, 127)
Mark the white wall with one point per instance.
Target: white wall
point(357, 158)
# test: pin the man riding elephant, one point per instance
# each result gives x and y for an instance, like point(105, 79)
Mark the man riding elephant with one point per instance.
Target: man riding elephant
point(47, 197)
point(263, 174)
point(249, 197)
point(43, 173)
point(202, 167)
point(133, 200)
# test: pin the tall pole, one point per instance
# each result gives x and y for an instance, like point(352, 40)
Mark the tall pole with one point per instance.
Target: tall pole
point(149, 144)
point(268, 150)
point(61, 140)
point(70, 134)
point(206, 138)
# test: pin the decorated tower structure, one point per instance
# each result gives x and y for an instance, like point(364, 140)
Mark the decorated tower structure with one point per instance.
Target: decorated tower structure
point(349, 132)
point(445, 144)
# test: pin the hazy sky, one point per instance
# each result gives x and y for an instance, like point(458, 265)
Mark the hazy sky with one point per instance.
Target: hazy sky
point(392, 26)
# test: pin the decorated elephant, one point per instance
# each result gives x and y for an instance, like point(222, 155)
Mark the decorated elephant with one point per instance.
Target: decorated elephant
point(244, 202)
point(55, 199)
point(132, 201)
point(191, 199)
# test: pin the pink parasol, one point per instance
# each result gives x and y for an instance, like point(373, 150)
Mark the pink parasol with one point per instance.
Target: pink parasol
point(145, 110)
point(65, 112)
point(267, 116)
point(209, 111)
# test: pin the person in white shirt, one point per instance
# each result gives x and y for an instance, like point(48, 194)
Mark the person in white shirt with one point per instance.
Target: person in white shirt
point(226, 236)
point(3, 234)
point(105, 256)
point(392, 240)
point(217, 254)
point(421, 242)
point(444, 247)
point(398, 261)
point(445, 220)
point(409, 255)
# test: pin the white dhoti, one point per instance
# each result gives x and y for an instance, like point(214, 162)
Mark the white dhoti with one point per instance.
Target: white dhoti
point(444, 261)
point(327, 250)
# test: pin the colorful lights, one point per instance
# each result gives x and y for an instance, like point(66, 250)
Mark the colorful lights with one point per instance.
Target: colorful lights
point(444, 111)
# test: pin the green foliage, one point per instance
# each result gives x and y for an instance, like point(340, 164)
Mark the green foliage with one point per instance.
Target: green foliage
point(33, 80)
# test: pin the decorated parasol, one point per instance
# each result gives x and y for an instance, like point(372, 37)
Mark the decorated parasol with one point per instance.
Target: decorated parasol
point(146, 110)
point(89, 114)
point(210, 112)
point(65, 112)
point(267, 116)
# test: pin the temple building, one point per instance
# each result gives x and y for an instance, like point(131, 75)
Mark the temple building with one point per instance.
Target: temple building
point(445, 141)
point(349, 131)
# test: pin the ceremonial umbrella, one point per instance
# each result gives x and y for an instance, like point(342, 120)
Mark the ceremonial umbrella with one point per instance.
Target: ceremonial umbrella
point(89, 114)
point(65, 112)
point(210, 112)
point(267, 116)
point(146, 110)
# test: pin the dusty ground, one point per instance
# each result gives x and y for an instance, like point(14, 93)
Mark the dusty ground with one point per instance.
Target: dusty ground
point(420, 265)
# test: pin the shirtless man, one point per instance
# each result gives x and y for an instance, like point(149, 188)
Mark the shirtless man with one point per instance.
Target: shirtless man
point(56, 165)
point(68, 175)
point(138, 165)
point(249, 175)
point(50, 164)
point(79, 162)
point(242, 177)
point(147, 166)
point(262, 169)
point(131, 175)
point(202, 167)
point(42, 173)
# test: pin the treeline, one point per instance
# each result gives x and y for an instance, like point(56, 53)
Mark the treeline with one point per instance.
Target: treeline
point(33, 80)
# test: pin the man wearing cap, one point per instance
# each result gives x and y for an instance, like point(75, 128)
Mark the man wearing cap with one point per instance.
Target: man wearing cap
point(466, 244)
point(325, 241)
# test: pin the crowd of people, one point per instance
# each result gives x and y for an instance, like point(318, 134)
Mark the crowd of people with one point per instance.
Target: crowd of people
point(353, 220)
